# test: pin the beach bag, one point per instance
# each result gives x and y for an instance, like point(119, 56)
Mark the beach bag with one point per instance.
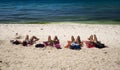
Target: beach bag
point(39, 45)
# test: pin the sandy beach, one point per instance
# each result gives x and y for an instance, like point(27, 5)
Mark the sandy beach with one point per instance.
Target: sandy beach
point(17, 57)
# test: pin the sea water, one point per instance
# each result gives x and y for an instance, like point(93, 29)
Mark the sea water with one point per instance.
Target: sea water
point(59, 10)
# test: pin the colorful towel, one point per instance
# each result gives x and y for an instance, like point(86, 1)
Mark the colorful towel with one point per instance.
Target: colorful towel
point(89, 44)
point(68, 45)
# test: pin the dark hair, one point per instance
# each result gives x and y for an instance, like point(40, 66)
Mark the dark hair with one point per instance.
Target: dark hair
point(24, 43)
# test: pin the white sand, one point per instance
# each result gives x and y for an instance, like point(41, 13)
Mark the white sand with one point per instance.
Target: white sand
point(17, 57)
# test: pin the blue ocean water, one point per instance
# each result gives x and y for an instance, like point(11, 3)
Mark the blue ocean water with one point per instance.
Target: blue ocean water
point(58, 10)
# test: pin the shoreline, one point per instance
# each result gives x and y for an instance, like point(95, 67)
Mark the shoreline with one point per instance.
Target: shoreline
point(104, 22)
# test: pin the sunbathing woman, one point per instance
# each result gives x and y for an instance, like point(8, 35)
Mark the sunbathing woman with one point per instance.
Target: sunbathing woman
point(49, 42)
point(98, 44)
point(53, 43)
point(56, 42)
point(75, 44)
point(93, 42)
point(27, 41)
point(90, 43)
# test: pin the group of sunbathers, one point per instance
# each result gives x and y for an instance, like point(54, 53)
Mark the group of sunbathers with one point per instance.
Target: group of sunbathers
point(73, 44)
point(30, 41)
point(77, 44)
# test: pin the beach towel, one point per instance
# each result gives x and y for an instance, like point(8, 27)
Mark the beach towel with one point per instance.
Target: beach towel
point(57, 46)
point(99, 45)
point(68, 45)
point(89, 44)
point(48, 43)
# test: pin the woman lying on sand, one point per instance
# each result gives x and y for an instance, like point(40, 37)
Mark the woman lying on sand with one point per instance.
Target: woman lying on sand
point(27, 41)
point(50, 42)
point(54, 43)
point(74, 44)
point(93, 42)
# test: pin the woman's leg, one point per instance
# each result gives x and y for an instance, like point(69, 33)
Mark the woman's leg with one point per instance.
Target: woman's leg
point(91, 38)
point(57, 43)
point(56, 39)
point(95, 39)
point(49, 38)
point(33, 39)
point(19, 41)
point(27, 38)
point(78, 41)
point(98, 44)
point(49, 42)
point(72, 39)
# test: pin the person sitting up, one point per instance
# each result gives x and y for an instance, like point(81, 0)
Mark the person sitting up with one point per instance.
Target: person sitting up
point(27, 41)
point(93, 42)
point(53, 43)
point(74, 44)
